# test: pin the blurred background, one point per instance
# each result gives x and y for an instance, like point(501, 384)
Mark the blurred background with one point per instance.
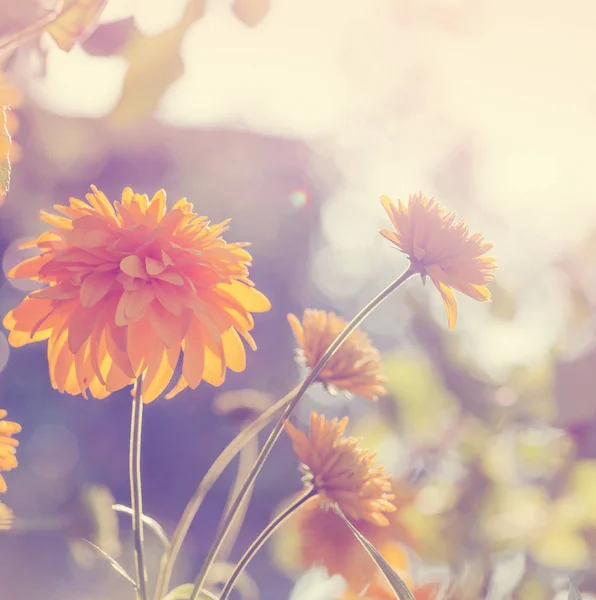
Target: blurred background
point(292, 118)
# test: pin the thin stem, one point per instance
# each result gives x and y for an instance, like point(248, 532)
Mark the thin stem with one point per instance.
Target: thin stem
point(262, 538)
point(217, 468)
point(276, 433)
point(19, 37)
point(136, 497)
point(247, 458)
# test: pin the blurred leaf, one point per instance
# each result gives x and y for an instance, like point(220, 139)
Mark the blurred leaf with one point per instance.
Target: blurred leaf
point(583, 483)
point(115, 564)
point(76, 21)
point(184, 592)
point(110, 38)
point(5, 142)
point(422, 399)
point(503, 302)
point(151, 523)
point(395, 581)
point(154, 64)
point(251, 12)
point(574, 593)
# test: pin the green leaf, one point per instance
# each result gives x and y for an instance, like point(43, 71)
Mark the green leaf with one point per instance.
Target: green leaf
point(115, 564)
point(151, 523)
point(395, 581)
point(574, 593)
point(184, 592)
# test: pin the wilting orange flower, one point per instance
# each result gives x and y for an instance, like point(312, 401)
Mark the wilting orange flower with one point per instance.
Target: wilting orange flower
point(10, 151)
point(8, 453)
point(130, 286)
point(6, 517)
point(341, 472)
point(379, 589)
point(354, 368)
point(439, 247)
point(324, 539)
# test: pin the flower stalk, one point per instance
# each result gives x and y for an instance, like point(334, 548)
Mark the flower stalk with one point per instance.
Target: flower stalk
point(215, 470)
point(308, 495)
point(277, 430)
point(136, 497)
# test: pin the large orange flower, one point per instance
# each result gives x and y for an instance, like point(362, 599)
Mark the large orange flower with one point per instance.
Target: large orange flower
point(341, 472)
point(130, 286)
point(355, 367)
point(8, 445)
point(439, 247)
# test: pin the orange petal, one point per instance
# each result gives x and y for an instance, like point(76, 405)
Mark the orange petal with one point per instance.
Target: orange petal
point(194, 355)
point(234, 353)
point(95, 287)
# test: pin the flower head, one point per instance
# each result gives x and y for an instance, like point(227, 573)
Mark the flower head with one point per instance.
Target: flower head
point(341, 472)
point(439, 247)
point(8, 445)
point(354, 368)
point(130, 286)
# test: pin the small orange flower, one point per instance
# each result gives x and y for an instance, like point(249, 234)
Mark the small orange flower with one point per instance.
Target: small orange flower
point(6, 517)
point(8, 458)
point(356, 366)
point(439, 247)
point(341, 472)
point(130, 286)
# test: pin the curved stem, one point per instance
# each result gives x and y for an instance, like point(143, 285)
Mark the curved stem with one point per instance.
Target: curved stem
point(276, 433)
point(247, 458)
point(215, 470)
point(262, 538)
point(136, 497)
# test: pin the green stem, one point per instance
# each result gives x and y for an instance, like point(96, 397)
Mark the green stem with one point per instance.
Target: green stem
point(217, 468)
point(136, 498)
point(262, 538)
point(276, 433)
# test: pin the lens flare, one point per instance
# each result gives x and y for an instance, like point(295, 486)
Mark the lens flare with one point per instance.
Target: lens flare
point(300, 198)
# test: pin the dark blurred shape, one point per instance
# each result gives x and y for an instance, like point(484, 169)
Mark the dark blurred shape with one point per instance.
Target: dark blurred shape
point(242, 406)
point(251, 12)
point(154, 64)
point(110, 38)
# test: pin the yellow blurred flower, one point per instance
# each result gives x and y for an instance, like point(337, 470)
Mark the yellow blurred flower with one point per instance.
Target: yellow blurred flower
point(439, 247)
point(130, 286)
point(341, 472)
point(6, 517)
point(8, 445)
point(356, 366)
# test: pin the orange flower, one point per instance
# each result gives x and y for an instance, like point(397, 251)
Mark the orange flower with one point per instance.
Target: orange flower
point(325, 540)
point(129, 287)
point(355, 368)
point(8, 458)
point(441, 248)
point(6, 517)
point(341, 472)
point(378, 588)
